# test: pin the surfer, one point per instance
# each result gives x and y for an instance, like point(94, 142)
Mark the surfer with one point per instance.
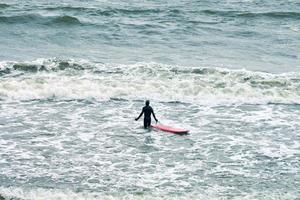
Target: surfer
point(147, 111)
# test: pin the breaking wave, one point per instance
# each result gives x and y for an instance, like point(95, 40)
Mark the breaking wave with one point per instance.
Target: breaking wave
point(70, 79)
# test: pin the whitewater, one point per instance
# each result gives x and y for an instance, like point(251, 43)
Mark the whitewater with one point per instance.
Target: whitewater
point(70, 80)
point(75, 74)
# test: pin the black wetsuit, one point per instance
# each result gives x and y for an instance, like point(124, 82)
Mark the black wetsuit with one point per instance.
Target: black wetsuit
point(147, 111)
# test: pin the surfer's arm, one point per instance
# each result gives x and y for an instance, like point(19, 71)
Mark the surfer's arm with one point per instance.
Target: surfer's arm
point(154, 116)
point(139, 115)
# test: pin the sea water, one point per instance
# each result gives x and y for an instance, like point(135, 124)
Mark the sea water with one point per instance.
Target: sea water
point(74, 75)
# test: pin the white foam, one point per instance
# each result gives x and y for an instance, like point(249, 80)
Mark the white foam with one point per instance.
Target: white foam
point(67, 194)
point(151, 81)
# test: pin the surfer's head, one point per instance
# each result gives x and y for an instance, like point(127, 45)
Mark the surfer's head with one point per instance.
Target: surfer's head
point(147, 103)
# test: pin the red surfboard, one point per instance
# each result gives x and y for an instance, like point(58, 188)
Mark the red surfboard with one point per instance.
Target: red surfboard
point(170, 129)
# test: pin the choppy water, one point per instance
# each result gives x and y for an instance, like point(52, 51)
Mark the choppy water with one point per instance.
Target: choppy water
point(75, 74)
point(257, 35)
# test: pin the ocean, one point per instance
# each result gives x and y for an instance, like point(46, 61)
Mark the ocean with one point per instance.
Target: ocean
point(75, 74)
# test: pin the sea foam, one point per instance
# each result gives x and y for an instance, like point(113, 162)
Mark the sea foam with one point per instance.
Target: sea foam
point(71, 80)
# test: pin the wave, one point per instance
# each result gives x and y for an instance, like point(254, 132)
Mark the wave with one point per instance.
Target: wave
point(39, 66)
point(120, 11)
point(69, 8)
point(246, 14)
point(32, 18)
point(19, 19)
point(281, 15)
point(66, 20)
point(71, 79)
point(3, 5)
point(108, 11)
point(70, 13)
